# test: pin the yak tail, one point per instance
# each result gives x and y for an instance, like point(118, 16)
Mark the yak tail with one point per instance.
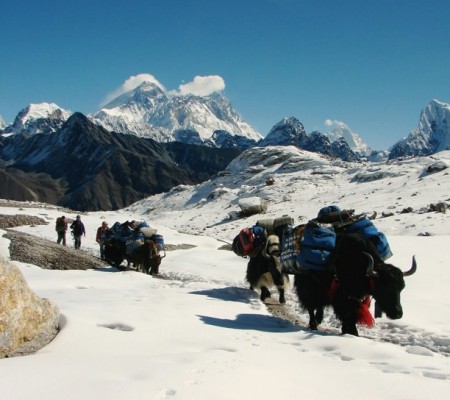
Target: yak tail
point(364, 316)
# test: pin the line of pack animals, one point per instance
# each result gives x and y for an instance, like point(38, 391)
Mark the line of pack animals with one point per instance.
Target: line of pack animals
point(137, 243)
point(338, 259)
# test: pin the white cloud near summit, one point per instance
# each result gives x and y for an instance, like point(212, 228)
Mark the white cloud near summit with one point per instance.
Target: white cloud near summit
point(203, 85)
point(334, 123)
point(200, 86)
point(131, 83)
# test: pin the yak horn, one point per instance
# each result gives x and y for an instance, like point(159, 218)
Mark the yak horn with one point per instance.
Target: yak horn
point(370, 270)
point(264, 251)
point(413, 268)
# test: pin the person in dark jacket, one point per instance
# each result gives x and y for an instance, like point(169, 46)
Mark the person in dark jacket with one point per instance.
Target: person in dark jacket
point(100, 238)
point(77, 231)
point(61, 228)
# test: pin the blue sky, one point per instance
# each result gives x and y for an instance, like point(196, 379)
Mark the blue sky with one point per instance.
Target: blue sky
point(373, 64)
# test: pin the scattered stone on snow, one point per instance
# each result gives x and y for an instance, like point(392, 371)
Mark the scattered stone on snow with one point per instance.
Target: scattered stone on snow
point(438, 207)
point(436, 167)
point(270, 181)
point(252, 205)
point(11, 221)
point(48, 255)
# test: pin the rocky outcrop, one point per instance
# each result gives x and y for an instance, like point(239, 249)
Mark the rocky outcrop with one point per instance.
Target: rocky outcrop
point(27, 322)
point(86, 168)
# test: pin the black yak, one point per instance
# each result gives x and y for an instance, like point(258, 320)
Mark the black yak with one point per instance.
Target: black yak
point(357, 273)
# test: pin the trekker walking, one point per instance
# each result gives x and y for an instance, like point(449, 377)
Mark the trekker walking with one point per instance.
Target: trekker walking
point(61, 229)
point(100, 239)
point(77, 231)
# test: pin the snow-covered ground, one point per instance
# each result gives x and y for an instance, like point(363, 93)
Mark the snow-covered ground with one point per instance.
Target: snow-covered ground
point(198, 332)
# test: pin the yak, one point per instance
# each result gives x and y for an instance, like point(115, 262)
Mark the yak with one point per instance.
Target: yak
point(146, 258)
point(357, 273)
point(264, 272)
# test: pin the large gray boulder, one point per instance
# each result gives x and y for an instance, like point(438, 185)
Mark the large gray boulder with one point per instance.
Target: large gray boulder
point(27, 322)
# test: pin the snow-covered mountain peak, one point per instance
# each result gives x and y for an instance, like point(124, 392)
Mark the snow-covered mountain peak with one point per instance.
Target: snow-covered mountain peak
point(339, 129)
point(139, 95)
point(149, 111)
point(434, 114)
point(42, 110)
point(290, 121)
point(39, 118)
point(431, 135)
point(439, 104)
point(289, 131)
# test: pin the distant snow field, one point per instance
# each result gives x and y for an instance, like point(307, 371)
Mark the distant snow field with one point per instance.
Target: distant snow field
point(198, 332)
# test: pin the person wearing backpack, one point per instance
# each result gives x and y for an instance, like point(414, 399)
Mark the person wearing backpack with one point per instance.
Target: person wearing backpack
point(100, 238)
point(61, 229)
point(78, 230)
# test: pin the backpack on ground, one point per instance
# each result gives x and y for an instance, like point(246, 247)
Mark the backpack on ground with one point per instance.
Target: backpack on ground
point(249, 241)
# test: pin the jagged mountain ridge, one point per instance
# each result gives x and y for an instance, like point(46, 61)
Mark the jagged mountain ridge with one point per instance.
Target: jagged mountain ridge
point(431, 136)
point(148, 111)
point(88, 168)
point(291, 132)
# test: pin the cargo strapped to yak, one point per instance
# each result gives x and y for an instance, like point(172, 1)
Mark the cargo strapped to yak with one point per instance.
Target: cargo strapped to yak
point(316, 247)
point(307, 247)
point(159, 241)
point(250, 241)
point(344, 221)
point(334, 216)
point(290, 247)
point(367, 229)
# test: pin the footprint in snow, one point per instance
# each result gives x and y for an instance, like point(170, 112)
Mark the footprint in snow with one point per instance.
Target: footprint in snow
point(117, 326)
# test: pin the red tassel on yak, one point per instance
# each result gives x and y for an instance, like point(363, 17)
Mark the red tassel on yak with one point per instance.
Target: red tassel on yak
point(364, 315)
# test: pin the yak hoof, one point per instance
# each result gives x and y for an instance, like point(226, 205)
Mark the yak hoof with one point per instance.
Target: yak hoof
point(265, 293)
point(313, 326)
point(350, 331)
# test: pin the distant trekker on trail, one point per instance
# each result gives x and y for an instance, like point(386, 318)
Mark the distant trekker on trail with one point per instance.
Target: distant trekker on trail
point(61, 229)
point(77, 231)
point(100, 238)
